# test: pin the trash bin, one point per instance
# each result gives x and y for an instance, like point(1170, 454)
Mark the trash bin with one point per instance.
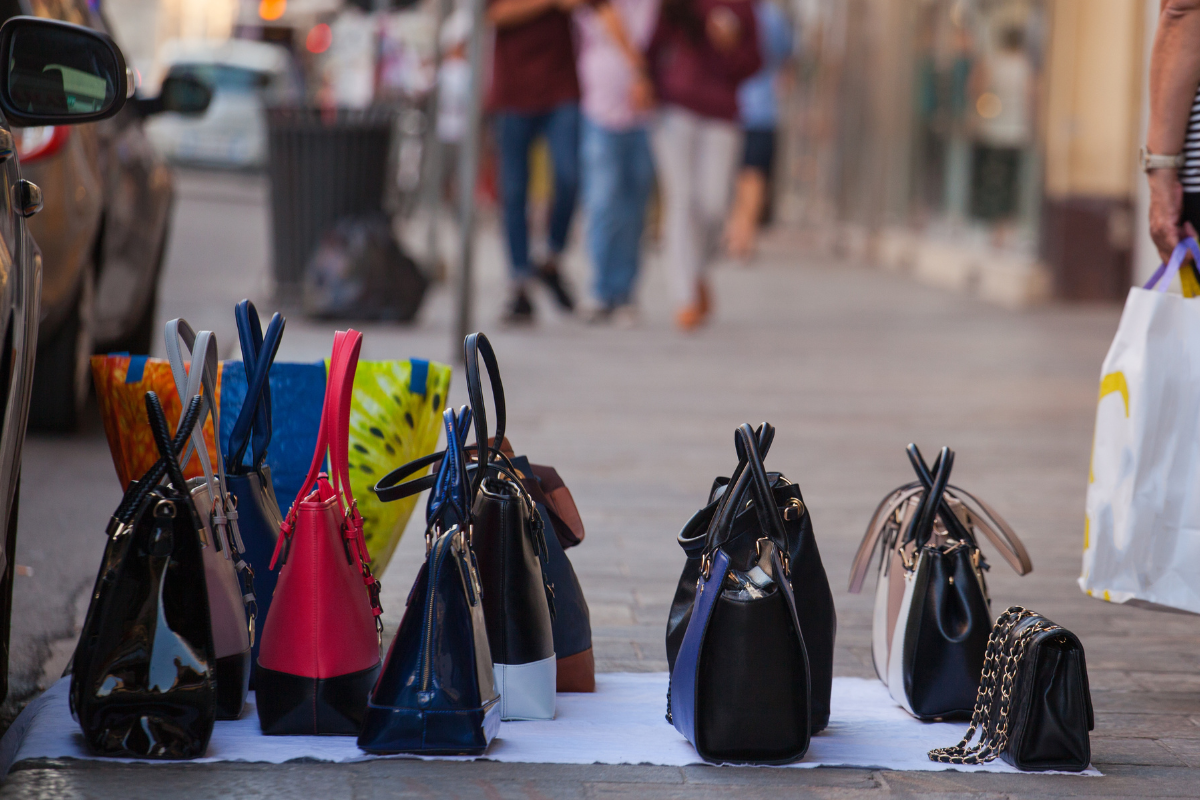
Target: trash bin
point(323, 165)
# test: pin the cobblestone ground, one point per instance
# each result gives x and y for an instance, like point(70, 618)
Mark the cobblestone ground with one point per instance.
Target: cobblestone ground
point(849, 363)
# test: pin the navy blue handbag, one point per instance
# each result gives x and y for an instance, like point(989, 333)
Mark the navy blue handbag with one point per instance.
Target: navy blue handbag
point(250, 481)
point(436, 693)
point(740, 685)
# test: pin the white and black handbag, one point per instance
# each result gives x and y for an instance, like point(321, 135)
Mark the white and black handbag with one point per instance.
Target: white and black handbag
point(932, 611)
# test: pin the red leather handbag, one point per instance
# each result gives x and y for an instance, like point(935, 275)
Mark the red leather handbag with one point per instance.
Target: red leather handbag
point(320, 646)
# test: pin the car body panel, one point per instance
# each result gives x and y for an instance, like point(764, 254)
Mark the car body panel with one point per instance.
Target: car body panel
point(108, 195)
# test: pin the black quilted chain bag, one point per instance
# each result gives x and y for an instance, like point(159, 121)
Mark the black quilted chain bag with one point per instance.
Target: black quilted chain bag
point(1034, 707)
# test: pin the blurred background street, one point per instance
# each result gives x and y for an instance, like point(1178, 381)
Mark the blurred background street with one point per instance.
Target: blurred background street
point(951, 218)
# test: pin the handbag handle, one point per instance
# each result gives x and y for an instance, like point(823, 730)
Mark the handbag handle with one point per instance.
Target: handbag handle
point(474, 346)
point(258, 353)
point(750, 476)
point(452, 486)
point(162, 439)
point(875, 528)
point(333, 438)
point(138, 490)
point(1162, 276)
point(922, 529)
point(201, 378)
point(949, 518)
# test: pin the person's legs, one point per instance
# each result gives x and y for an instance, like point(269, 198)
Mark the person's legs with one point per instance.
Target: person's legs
point(514, 134)
point(602, 200)
point(717, 150)
point(674, 141)
point(637, 170)
point(750, 194)
point(562, 137)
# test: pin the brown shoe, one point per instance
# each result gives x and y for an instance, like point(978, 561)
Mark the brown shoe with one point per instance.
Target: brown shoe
point(703, 298)
point(689, 318)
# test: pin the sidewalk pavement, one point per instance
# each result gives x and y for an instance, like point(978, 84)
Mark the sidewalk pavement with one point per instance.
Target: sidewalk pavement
point(849, 363)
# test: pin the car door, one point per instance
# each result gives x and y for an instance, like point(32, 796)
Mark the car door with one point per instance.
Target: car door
point(20, 301)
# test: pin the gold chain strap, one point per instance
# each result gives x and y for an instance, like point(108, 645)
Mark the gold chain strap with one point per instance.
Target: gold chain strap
point(1000, 665)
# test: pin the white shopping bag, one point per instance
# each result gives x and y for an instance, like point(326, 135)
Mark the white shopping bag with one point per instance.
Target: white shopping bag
point(1142, 533)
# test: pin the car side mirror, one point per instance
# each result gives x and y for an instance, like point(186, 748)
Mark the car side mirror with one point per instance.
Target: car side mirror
point(56, 73)
point(183, 94)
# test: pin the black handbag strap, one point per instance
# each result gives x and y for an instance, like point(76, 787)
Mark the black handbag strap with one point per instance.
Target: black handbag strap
point(138, 490)
point(258, 353)
point(162, 440)
point(750, 476)
point(475, 346)
point(922, 528)
point(942, 508)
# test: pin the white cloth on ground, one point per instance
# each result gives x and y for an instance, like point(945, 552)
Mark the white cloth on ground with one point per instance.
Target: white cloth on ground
point(622, 723)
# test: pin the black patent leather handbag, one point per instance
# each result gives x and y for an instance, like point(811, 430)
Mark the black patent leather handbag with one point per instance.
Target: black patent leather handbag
point(435, 693)
point(1034, 705)
point(250, 481)
point(740, 683)
point(142, 679)
point(809, 583)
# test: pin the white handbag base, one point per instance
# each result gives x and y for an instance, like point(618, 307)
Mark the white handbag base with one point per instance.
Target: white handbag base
point(527, 690)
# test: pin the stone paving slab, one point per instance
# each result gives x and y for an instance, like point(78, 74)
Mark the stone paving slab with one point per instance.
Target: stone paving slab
point(850, 364)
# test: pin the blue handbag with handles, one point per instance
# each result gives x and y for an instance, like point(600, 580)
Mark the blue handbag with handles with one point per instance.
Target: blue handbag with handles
point(740, 687)
point(436, 692)
point(250, 482)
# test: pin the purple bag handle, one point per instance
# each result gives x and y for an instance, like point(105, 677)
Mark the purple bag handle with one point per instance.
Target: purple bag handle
point(1165, 272)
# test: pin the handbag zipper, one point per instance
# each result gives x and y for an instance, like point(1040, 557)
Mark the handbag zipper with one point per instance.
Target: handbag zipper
point(439, 550)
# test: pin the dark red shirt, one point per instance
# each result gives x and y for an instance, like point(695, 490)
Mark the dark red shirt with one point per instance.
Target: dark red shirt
point(533, 68)
point(688, 71)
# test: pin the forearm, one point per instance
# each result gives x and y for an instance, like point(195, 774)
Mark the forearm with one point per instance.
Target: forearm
point(612, 23)
point(506, 13)
point(1174, 75)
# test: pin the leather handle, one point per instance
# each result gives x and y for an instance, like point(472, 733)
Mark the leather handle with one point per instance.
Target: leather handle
point(871, 539)
point(476, 345)
point(162, 439)
point(949, 518)
point(768, 513)
point(137, 492)
point(743, 481)
point(258, 354)
point(1005, 540)
point(923, 527)
point(452, 486)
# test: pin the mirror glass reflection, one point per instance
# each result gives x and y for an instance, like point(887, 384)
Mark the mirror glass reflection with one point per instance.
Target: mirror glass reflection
point(60, 72)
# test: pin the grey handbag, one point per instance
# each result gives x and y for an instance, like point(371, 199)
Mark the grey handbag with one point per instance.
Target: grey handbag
point(230, 580)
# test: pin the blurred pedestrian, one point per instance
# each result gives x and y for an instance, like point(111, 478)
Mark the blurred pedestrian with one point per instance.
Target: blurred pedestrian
point(1004, 98)
point(758, 109)
point(535, 92)
point(454, 94)
point(618, 168)
point(701, 50)
point(1171, 157)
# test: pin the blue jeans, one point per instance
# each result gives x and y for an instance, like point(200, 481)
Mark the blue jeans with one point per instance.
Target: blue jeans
point(618, 172)
point(515, 133)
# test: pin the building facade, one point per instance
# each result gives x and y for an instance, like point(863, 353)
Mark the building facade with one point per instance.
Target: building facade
point(985, 145)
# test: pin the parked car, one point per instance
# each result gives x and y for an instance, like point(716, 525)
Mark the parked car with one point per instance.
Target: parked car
point(51, 74)
point(103, 235)
point(246, 77)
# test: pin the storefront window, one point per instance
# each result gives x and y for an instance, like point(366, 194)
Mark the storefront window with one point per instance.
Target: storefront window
point(975, 79)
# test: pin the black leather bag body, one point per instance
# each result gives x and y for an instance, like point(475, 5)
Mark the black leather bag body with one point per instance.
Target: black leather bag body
point(436, 691)
point(1034, 706)
point(810, 585)
point(740, 679)
point(143, 677)
point(932, 611)
point(509, 539)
